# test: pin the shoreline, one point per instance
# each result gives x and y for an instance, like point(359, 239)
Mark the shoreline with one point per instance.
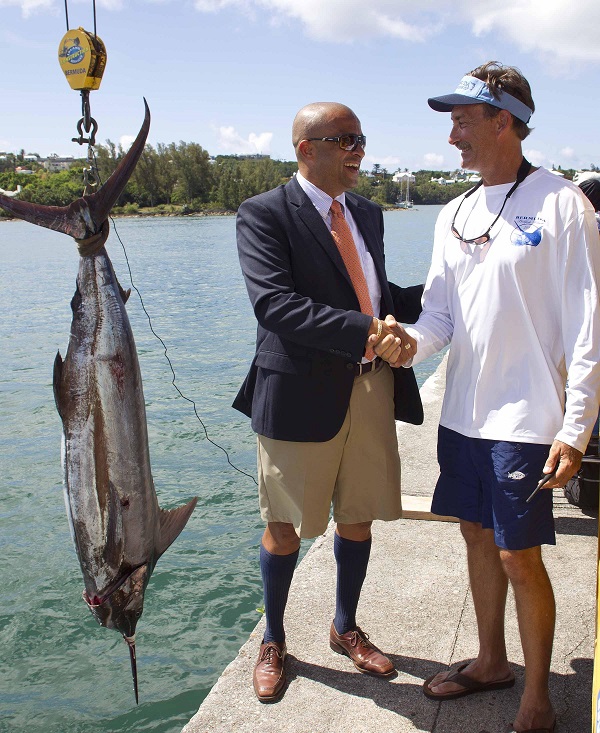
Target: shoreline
point(149, 214)
point(202, 214)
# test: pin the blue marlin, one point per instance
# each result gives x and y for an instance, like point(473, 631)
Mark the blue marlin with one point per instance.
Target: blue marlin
point(117, 526)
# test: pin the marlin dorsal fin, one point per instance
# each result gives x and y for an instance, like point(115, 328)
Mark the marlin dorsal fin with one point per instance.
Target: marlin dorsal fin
point(171, 524)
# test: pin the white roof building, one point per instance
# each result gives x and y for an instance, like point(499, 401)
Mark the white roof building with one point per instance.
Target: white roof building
point(401, 176)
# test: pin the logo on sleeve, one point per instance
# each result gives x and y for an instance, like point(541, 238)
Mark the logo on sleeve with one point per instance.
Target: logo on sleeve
point(528, 231)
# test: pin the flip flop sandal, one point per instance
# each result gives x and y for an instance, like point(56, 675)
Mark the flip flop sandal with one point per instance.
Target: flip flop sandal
point(539, 730)
point(471, 686)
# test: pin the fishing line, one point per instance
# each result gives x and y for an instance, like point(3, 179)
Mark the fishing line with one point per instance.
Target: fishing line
point(174, 380)
point(92, 179)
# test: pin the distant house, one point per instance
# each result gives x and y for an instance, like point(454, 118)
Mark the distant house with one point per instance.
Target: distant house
point(54, 164)
point(444, 181)
point(402, 176)
point(252, 156)
point(457, 178)
point(23, 171)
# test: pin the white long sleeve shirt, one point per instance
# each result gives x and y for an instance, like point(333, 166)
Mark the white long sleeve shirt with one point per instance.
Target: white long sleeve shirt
point(521, 313)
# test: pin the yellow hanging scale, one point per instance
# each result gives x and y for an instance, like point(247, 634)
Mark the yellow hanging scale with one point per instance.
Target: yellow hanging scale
point(82, 58)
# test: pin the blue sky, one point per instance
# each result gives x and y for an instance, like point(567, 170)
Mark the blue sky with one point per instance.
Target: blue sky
point(231, 74)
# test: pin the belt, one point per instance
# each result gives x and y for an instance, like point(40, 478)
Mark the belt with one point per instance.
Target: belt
point(366, 366)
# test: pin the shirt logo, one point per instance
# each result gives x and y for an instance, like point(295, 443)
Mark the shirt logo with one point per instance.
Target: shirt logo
point(528, 231)
point(516, 475)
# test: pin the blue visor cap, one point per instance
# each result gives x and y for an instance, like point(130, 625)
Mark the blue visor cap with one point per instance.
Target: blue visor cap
point(474, 91)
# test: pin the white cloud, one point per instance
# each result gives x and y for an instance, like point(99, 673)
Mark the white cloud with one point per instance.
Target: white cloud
point(232, 142)
point(433, 161)
point(566, 157)
point(563, 30)
point(29, 6)
point(341, 20)
point(536, 157)
point(568, 153)
point(126, 141)
point(390, 162)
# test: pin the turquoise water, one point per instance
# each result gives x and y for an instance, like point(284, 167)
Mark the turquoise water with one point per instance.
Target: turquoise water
point(59, 671)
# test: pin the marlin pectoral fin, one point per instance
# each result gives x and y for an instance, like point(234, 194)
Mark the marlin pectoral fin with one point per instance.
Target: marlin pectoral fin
point(171, 524)
point(57, 383)
point(84, 217)
point(124, 293)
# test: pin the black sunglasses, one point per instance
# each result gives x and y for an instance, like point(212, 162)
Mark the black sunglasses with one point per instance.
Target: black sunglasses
point(346, 142)
point(524, 169)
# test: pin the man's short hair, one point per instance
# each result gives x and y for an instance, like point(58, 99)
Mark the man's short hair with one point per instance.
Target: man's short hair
point(508, 79)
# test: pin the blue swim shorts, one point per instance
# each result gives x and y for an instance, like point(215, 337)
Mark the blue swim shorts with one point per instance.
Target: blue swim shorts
point(488, 481)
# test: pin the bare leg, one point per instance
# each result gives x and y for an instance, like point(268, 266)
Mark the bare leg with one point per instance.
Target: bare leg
point(536, 614)
point(280, 538)
point(489, 587)
point(357, 532)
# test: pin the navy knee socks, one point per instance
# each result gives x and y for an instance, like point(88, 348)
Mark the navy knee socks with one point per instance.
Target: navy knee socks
point(352, 559)
point(277, 572)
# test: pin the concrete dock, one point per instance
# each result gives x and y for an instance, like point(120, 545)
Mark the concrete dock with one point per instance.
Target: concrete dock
point(416, 606)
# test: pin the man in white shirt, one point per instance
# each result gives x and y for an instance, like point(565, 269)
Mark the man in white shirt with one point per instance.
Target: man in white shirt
point(513, 288)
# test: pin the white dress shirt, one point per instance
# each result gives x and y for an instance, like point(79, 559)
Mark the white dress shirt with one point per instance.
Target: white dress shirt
point(322, 203)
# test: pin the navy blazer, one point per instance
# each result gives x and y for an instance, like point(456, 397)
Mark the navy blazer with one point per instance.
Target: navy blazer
point(311, 332)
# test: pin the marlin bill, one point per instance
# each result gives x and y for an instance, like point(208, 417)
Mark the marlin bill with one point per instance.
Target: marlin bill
point(117, 526)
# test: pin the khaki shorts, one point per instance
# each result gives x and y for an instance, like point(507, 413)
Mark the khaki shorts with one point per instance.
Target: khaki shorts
point(358, 471)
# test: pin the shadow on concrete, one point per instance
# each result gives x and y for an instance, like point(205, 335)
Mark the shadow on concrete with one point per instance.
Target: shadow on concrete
point(584, 526)
point(403, 699)
point(570, 692)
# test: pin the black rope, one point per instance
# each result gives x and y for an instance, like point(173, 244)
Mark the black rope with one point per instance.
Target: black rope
point(174, 380)
point(67, 15)
point(94, 4)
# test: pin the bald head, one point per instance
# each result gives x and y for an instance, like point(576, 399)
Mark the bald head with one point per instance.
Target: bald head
point(314, 120)
point(321, 161)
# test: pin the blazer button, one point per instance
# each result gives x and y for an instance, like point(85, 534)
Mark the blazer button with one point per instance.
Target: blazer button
point(349, 366)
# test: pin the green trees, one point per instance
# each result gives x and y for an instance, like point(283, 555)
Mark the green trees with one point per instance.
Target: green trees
point(192, 173)
point(182, 178)
point(50, 189)
point(237, 180)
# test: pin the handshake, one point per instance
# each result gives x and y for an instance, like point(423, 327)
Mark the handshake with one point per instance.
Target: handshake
point(391, 342)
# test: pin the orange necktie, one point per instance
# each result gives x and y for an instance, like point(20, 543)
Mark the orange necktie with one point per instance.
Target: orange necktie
point(342, 236)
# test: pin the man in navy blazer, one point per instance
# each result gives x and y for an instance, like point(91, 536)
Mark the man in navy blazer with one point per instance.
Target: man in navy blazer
point(322, 407)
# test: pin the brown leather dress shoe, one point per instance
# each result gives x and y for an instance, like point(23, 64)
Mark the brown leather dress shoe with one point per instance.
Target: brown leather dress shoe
point(366, 657)
point(269, 673)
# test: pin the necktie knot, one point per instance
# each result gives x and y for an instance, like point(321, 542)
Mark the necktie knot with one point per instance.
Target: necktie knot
point(336, 209)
